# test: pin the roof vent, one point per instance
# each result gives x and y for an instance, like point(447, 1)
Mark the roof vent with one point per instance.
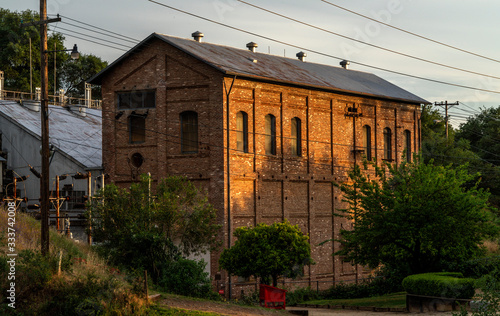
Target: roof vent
point(252, 46)
point(345, 64)
point(302, 56)
point(197, 36)
point(77, 109)
point(31, 105)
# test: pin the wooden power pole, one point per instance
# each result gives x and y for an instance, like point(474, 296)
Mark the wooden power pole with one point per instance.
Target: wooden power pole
point(445, 104)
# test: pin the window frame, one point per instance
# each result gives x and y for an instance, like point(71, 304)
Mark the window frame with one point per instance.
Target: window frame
point(367, 141)
point(407, 138)
point(387, 144)
point(185, 134)
point(122, 96)
point(270, 135)
point(242, 132)
point(139, 130)
point(296, 137)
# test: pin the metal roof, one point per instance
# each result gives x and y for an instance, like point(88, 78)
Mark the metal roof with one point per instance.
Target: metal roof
point(244, 63)
point(75, 136)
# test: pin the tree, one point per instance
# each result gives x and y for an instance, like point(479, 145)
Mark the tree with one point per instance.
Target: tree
point(15, 57)
point(143, 230)
point(75, 74)
point(415, 218)
point(267, 252)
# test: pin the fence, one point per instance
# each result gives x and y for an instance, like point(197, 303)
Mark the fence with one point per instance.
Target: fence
point(60, 100)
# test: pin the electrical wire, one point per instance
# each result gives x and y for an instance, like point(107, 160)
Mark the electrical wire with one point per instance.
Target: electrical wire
point(368, 44)
point(320, 53)
point(411, 33)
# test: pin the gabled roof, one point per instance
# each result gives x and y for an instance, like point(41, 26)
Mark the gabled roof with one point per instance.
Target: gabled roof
point(244, 63)
point(79, 138)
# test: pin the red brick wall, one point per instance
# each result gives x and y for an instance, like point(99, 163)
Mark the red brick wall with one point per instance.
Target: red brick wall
point(263, 188)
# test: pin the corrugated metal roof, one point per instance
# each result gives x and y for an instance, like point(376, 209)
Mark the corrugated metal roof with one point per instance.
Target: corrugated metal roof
point(76, 136)
point(243, 62)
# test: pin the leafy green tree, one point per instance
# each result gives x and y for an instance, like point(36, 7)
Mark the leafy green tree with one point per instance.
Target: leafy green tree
point(143, 230)
point(15, 57)
point(415, 218)
point(267, 252)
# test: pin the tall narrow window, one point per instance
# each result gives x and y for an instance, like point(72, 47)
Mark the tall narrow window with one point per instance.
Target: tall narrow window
point(407, 138)
point(189, 132)
point(367, 141)
point(270, 134)
point(296, 137)
point(242, 131)
point(387, 144)
point(137, 129)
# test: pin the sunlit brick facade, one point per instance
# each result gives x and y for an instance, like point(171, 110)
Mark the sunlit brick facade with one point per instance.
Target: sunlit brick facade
point(288, 142)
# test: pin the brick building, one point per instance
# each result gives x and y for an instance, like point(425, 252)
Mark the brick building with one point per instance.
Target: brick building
point(283, 129)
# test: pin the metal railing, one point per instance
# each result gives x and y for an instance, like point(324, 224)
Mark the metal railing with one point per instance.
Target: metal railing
point(60, 100)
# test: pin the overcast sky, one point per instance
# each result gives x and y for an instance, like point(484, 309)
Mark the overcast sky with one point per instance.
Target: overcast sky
point(468, 25)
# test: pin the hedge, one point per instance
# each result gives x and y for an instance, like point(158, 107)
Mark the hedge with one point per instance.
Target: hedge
point(442, 284)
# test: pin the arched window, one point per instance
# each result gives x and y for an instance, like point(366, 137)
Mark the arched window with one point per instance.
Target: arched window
point(242, 131)
point(189, 132)
point(407, 139)
point(296, 137)
point(137, 129)
point(270, 131)
point(367, 141)
point(387, 144)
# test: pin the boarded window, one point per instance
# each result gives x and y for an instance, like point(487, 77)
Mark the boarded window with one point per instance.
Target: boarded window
point(387, 144)
point(367, 141)
point(242, 131)
point(270, 131)
point(189, 132)
point(137, 99)
point(137, 128)
point(296, 137)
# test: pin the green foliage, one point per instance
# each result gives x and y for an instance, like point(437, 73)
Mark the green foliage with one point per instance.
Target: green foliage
point(267, 252)
point(137, 228)
point(186, 277)
point(416, 218)
point(301, 295)
point(15, 56)
point(444, 284)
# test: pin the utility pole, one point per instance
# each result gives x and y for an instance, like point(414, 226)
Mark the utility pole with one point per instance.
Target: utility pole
point(44, 105)
point(446, 104)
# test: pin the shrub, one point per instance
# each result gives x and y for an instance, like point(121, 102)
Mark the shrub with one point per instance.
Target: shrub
point(186, 277)
point(445, 284)
point(301, 295)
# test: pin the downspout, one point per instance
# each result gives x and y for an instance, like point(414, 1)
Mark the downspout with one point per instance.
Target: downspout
point(228, 173)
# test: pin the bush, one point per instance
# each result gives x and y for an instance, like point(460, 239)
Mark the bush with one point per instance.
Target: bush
point(445, 284)
point(476, 268)
point(186, 277)
point(301, 295)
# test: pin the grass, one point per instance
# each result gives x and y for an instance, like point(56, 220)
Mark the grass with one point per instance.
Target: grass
point(394, 300)
point(167, 311)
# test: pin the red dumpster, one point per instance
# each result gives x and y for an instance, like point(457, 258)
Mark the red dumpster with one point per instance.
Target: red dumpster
point(272, 297)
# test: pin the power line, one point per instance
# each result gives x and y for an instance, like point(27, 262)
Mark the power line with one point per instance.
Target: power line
point(87, 29)
point(91, 41)
point(368, 44)
point(93, 37)
point(320, 53)
point(411, 33)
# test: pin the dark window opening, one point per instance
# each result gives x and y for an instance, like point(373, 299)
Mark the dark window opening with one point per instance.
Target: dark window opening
point(367, 139)
point(189, 132)
point(296, 145)
point(137, 160)
point(270, 131)
point(407, 138)
point(137, 129)
point(140, 99)
point(387, 144)
point(242, 131)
